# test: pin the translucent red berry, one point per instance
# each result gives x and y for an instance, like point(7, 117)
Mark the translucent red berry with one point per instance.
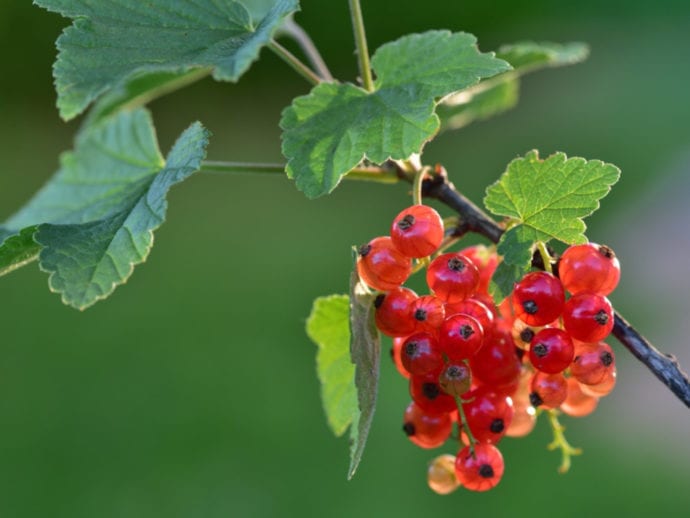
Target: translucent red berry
point(421, 354)
point(474, 308)
point(396, 355)
point(452, 277)
point(588, 317)
point(548, 390)
point(589, 267)
point(577, 403)
point(394, 312)
point(428, 394)
point(551, 350)
point(603, 388)
point(538, 298)
point(592, 362)
point(381, 266)
point(460, 337)
point(486, 261)
point(488, 414)
point(424, 429)
point(417, 231)
point(481, 471)
point(496, 363)
point(428, 313)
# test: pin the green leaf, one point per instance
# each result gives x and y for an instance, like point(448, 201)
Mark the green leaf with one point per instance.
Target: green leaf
point(112, 43)
point(333, 128)
point(328, 327)
point(546, 199)
point(365, 349)
point(17, 248)
point(500, 93)
point(97, 215)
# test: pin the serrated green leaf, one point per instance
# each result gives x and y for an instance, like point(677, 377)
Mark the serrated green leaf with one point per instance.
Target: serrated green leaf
point(365, 349)
point(329, 131)
point(328, 327)
point(500, 93)
point(17, 248)
point(112, 43)
point(97, 215)
point(547, 199)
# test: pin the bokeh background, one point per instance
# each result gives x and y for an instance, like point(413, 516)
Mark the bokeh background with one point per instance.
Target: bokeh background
point(192, 392)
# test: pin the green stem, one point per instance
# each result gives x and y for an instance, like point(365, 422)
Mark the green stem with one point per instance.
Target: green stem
point(560, 442)
point(545, 257)
point(299, 67)
point(296, 32)
point(365, 174)
point(361, 44)
point(464, 425)
point(417, 186)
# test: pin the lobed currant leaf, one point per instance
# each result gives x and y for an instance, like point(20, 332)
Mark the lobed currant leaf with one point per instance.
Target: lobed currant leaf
point(328, 327)
point(136, 50)
point(96, 216)
point(332, 129)
point(365, 350)
point(17, 248)
point(500, 93)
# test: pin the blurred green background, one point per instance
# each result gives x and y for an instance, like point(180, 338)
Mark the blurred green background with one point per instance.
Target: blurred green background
point(191, 392)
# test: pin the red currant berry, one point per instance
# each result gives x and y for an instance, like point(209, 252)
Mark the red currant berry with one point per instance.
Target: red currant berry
point(538, 298)
point(474, 308)
point(588, 317)
point(479, 471)
point(496, 363)
point(396, 355)
point(428, 394)
point(460, 337)
point(589, 267)
point(381, 266)
point(421, 354)
point(548, 390)
point(428, 313)
point(488, 414)
point(577, 403)
point(441, 475)
point(455, 379)
point(486, 261)
point(602, 388)
point(452, 277)
point(417, 231)
point(426, 430)
point(551, 350)
point(394, 312)
point(592, 362)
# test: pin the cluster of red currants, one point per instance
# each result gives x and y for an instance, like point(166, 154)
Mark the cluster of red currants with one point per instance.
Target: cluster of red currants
point(483, 366)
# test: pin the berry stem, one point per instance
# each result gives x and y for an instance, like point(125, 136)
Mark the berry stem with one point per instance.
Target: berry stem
point(417, 185)
point(294, 62)
point(545, 257)
point(299, 35)
point(560, 442)
point(361, 44)
point(463, 424)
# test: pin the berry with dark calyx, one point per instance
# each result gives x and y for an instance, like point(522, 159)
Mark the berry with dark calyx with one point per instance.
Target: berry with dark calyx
point(421, 354)
point(523, 334)
point(417, 231)
point(496, 363)
point(589, 267)
point(427, 313)
point(488, 414)
point(486, 261)
point(588, 317)
point(428, 394)
point(481, 471)
point(394, 312)
point(396, 355)
point(548, 390)
point(592, 362)
point(551, 350)
point(474, 308)
point(460, 337)
point(603, 388)
point(538, 298)
point(424, 429)
point(441, 475)
point(455, 379)
point(452, 277)
point(577, 403)
point(381, 266)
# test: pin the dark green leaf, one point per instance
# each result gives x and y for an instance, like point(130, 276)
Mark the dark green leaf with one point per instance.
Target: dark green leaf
point(500, 93)
point(97, 215)
point(112, 43)
point(365, 348)
point(17, 248)
point(336, 126)
point(329, 328)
